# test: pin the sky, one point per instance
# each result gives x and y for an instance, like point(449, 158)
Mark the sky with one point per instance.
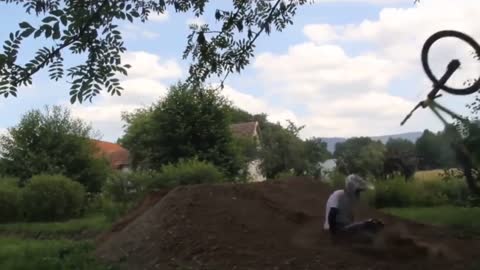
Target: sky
point(344, 68)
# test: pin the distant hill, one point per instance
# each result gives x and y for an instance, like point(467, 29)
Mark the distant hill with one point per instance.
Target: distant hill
point(411, 136)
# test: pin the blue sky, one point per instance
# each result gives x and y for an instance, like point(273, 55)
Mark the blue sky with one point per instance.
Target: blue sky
point(345, 68)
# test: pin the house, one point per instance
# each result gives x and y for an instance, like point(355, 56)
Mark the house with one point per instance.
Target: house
point(117, 156)
point(250, 130)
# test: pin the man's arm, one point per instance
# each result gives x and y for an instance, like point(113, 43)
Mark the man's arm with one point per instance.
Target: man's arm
point(332, 220)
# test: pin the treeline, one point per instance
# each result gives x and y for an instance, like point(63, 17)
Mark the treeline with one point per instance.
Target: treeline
point(368, 157)
point(51, 170)
point(196, 122)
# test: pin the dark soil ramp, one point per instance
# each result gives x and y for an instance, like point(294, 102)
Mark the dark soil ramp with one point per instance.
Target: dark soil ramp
point(269, 225)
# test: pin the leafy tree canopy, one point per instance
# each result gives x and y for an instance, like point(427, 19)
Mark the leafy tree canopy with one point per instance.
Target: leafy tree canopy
point(52, 142)
point(90, 27)
point(189, 122)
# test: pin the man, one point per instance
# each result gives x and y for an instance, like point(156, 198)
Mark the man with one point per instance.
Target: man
point(339, 209)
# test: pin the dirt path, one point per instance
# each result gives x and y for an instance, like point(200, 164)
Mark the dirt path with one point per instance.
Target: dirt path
point(270, 225)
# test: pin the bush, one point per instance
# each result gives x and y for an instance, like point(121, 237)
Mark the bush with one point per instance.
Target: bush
point(398, 193)
point(52, 197)
point(187, 172)
point(10, 181)
point(9, 202)
point(124, 187)
point(284, 175)
point(337, 179)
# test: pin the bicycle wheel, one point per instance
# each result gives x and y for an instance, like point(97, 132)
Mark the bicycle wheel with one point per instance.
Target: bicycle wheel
point(426, 48)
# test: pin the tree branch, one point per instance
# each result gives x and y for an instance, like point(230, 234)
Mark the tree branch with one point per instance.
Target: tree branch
point(67, 43)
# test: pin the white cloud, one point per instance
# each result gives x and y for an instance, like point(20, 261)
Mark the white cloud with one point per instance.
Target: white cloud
point(257, 105)
point(135, 32)
point(143, 86)
point(195, 20)
point(148, 65)
point(159, 17)
point(345, 94)
point(376, 2)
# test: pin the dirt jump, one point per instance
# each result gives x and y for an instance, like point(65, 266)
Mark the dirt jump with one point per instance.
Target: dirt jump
point(269, 225)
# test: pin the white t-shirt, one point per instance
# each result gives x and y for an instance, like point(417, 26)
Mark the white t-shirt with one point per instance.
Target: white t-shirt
point(339, 200)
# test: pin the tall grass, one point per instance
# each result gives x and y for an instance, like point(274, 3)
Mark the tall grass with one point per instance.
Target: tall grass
point(22, 254)
point(398, 193)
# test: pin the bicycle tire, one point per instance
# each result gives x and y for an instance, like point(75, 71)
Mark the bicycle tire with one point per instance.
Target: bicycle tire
point(426, 49)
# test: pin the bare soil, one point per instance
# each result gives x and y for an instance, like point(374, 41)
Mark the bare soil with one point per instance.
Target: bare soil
point(269, 225)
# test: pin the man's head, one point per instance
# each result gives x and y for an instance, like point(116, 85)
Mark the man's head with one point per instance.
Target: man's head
point(354, 185)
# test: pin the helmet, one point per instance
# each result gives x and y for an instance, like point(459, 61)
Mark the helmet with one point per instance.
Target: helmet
point(354, 184)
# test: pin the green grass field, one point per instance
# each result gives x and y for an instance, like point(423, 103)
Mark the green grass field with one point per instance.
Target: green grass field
point(22, 249)
point(90, 225)
point(466, 220)
point(28, 254)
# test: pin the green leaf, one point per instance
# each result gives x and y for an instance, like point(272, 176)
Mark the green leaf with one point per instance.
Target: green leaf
point(135, 14)
point(38, 33)
point(48, 32)
point(72, 99)
point(24, 25)
point(28, 32)
point(57, 12)
point(64, 20)
point(13, 94)
point(129, 17)
point(49, 19)
point(56, 31)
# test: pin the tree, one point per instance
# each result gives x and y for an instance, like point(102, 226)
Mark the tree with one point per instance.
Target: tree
point(360, 155)
point(400, 156)
point(90, 27)
point(435, 151)
point(315, 152)
point(52, 142)
point(189, 122)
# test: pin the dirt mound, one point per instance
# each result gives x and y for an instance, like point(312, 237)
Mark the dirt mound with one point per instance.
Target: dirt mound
point(269, 225)
point(151, 199)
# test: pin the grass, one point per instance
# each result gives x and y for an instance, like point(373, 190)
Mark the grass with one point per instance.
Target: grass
point(466, 220)
point(27, 254)
point(91, 224)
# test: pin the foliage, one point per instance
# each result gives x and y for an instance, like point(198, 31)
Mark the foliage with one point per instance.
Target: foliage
point(123, 187)
point(435, 151)
point(52, 142)
point(400, 157)
point(246, 150)
point(96, 223)
point(398, 193)
point(189, 122)
point(237, 115)
point(10, 197)
point(28, 254)
point(51, 198)
point(284, 175)
point(187, 172)
point(337, 180)
point(360, 155)
point(90, 27)
point(315, 152)
point(459, 218)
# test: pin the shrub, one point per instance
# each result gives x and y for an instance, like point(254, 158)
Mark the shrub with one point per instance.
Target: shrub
point(337, 179)
point(284, 175)
point(10, 181)
point(124, 187)
point(52, 197)
point(187, 172)
point(398, 193)
point(9, 202)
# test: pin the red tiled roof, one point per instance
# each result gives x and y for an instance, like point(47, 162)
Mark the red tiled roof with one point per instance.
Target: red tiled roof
point(115, 153)
point(246, 129)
